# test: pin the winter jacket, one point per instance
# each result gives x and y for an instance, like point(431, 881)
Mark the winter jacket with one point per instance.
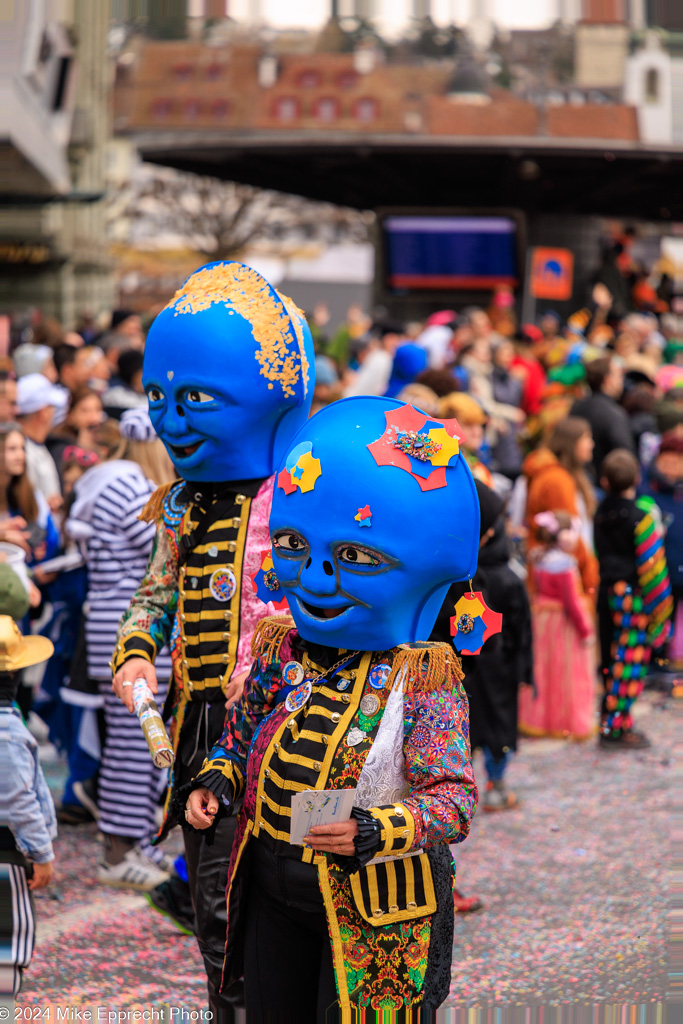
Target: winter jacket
point(505, 450)
point(615, 521)
point(609, 424)
point(492, 678)
point(26, 806)
point(551, 488)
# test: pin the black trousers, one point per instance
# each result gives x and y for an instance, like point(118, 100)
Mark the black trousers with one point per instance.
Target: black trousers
point(207, 873)
point(207, 863)
point(288, 972)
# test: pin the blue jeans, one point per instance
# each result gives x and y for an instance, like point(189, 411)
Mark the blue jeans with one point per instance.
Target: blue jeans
point(495, 768)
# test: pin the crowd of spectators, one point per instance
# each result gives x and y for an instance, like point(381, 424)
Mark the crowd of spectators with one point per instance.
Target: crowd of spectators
point(539, 406)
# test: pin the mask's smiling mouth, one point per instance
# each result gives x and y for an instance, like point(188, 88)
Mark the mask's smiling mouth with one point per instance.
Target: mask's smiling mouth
point(316, 612)
point(183, 451)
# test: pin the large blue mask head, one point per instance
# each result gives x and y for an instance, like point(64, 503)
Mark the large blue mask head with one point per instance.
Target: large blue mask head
point(375, 514)
point(228, 373)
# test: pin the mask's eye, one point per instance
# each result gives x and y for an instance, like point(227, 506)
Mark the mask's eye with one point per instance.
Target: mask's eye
point(290, 542)
point(199, 397)
point(154, 394)
point(351, 555)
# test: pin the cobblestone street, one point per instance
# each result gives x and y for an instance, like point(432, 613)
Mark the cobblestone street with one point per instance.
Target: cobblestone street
point(574, 884)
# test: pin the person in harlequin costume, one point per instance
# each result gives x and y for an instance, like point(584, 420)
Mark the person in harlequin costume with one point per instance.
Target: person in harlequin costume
point(228, 372)
point(375, 514)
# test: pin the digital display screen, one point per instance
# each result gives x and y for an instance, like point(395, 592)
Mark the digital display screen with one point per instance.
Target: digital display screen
point(448, 253)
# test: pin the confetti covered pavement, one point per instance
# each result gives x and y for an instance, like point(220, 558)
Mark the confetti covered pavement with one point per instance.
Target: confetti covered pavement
point(574, 884)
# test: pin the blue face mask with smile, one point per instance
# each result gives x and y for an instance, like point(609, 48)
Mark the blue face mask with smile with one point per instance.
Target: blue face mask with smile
point(375, 514)
point(228, 373)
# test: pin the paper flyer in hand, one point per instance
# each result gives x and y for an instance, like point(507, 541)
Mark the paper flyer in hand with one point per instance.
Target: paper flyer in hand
point(319, 807)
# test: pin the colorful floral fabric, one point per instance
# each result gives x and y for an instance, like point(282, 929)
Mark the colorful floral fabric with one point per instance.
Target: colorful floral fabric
point(437, 752)
point(385, 967)
point(443, 792)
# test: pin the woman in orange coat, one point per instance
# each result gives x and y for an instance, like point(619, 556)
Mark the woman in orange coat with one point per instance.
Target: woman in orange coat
point(557, 481)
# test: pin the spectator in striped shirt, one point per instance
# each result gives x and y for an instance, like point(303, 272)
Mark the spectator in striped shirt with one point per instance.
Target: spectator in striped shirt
point(116, 543)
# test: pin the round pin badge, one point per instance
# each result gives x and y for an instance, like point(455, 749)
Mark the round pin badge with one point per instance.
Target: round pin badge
point(292, 674)
point(355, 737)
point(378, 676)
point(369, 704)
point(297, 698)
point(222, 584)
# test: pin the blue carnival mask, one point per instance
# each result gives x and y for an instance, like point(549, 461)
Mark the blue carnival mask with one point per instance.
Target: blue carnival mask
point(375, 514)
point(228, 373)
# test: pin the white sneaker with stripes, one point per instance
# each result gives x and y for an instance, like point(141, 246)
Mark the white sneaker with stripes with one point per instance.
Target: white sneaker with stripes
point(135, 871)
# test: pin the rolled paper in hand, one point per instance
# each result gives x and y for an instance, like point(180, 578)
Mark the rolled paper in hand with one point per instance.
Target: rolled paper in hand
point(152, 724)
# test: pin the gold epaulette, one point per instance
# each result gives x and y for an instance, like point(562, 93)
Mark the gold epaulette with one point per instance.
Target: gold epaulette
point(426, 667)
point(155, 506)
point(269, 636)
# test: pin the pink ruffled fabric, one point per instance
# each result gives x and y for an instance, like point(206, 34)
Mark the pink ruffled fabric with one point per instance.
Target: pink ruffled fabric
point(258, 541)
point(564, 672)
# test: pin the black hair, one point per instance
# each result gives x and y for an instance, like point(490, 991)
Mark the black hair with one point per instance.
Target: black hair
point(64, 355)
point(9, 684)
point(130, 363)
point(620, 470)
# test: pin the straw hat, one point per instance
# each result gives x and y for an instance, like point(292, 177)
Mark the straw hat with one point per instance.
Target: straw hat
point(466, 409)
point(17, 651)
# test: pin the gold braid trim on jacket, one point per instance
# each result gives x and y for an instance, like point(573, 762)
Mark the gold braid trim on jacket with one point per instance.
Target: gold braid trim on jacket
point(426, 667)
point(269, 636)
point(152, 511)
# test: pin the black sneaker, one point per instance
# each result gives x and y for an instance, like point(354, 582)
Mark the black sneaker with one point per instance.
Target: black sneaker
point(86, 792)
point(73, 814)
point(172, 899)
point(631, 740)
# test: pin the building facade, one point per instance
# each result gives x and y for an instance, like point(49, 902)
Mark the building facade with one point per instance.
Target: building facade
point(55, 125)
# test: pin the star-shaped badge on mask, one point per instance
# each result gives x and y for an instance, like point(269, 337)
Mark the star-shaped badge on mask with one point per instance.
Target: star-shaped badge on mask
point(473, 623)
point(266, 585)
point(364, 516)
point(301, 469)
point(421, 446)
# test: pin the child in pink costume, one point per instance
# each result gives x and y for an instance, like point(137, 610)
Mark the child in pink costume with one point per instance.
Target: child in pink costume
point(564, 704)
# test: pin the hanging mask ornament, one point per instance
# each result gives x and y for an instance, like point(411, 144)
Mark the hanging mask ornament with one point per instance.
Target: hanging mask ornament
point(266, 585)
point(473, 623)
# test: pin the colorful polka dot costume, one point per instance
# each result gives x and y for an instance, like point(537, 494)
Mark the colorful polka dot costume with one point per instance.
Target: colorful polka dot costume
point(630, 658)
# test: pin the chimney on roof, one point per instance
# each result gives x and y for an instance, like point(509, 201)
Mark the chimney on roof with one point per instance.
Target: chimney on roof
point(215, 9)
point(267, 71)
point(604, 12)
point(469, 83)
point(365, 57)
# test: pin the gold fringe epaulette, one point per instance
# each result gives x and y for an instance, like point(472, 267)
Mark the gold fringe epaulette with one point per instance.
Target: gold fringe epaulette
point(152, 511)
point(426, 667)
point(269, 636)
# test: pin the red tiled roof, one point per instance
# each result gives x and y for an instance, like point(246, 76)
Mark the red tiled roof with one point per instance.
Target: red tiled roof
point(181, 84)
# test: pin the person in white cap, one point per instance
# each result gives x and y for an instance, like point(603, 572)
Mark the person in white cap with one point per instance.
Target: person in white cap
point(37, 401)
